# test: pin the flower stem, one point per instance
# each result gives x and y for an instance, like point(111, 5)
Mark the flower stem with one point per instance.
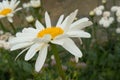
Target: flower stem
point(2, 26)
point(58, 62)
point(12, 26)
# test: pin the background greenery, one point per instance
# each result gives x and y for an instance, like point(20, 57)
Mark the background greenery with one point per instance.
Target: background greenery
point(100, 61)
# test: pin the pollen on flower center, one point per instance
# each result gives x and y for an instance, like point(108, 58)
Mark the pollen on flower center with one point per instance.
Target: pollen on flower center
point(5, 11)
point(53, 31)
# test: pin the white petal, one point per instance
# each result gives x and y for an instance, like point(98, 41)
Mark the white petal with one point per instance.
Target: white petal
point(41, 58)
point(44, 39)
point(47, 20)
point(21, 45)
point(70, 46)
point(21, 52)
point(76, 59)
point(68, 21)
point(32, 51)
point(10, 15)
point(39, 25)
point(81, 25)
point(20, 40)
point(58, 41)
point(10, 19)
point(17, 10)
point(79, 21)
point(79, 33)
point(60, 20)
point(16, 4)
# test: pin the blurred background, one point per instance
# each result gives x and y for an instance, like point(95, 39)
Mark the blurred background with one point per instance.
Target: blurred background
point(101, 53)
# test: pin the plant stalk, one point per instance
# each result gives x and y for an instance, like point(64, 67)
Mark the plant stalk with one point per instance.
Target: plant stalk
point(58, 62)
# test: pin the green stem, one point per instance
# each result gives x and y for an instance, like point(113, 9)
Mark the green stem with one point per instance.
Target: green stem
point(12, 26)
point(2, 26)
point(58, 62)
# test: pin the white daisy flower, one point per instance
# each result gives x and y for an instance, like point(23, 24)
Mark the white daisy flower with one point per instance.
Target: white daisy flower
point(106, 21)
point(8, 8)
point(39, 39)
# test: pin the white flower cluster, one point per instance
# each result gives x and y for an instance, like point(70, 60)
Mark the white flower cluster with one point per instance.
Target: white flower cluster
point(106, 20)
point(98, 10)
point(116, 9)
point(4, 40)
point(32, 3)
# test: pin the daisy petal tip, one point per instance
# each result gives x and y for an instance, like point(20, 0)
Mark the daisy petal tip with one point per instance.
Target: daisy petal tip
point(36, 21)
point(26, 58)
point(76, 10)
point(88, 35)
point(37, 70)
point(46, 13)
point(91, 23)
point(11, 49)
point(81, 56)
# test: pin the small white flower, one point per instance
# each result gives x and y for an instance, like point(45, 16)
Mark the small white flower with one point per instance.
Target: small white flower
point(30, 19)
point(118, 19)
point(118, 30)
point(35, 3)
point(106, 14)
point(106, 21)
point(37, 40)
point(98, 11)
point(26, 5)
point(101, 7)
point(114, 8)
point(118, 12)
point(111, 19)
point(7, 9)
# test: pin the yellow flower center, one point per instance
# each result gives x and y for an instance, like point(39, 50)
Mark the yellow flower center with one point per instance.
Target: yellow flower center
point(5, 11)
point(53, 31)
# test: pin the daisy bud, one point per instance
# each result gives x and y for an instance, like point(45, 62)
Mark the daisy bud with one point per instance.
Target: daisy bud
point(118, 30)
point(91, 13)
point(30, 19)
point(35, 3)
point(104, 1)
